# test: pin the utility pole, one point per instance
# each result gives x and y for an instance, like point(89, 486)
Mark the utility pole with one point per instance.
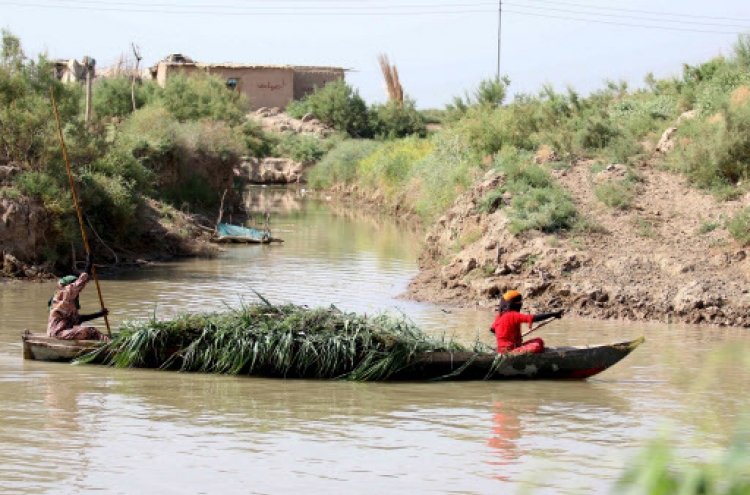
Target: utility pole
point(499, 28)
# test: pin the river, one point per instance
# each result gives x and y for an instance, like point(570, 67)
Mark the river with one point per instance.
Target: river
point(90, 429)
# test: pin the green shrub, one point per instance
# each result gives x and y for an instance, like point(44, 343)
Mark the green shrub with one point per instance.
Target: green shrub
point(538, 202)
point(201, 96)
point(389, 167)
point(338, 105)
point(341, 164)
point(741, 50)
point(48, 189)
point(489, 94)
point(715, 152)
point(258, 143)
point(300, 147)
point(658, 471)
point(28, 130)
point(739, 226)
point(616, 195)
point(112, 96)
point(395, 120)
point(441, 176)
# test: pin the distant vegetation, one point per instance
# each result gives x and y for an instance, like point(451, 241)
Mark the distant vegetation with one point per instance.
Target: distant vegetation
point(124, 156)
point(613, 125)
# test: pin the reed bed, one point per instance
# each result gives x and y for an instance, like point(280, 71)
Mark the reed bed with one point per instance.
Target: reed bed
point(286, 341)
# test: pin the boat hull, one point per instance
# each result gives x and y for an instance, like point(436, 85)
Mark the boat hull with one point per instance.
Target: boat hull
point(555, 363)
point(39, 347)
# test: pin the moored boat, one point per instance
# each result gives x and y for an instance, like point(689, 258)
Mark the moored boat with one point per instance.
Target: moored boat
point(235, 233)
point(555, 363)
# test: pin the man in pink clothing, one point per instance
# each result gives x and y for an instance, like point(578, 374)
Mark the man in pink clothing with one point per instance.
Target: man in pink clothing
point(64, 319)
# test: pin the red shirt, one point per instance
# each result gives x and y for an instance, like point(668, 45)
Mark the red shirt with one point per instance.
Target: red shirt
point(507, 329)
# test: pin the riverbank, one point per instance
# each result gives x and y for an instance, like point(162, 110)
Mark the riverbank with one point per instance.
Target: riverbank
point(166, 234)
point(668, 257)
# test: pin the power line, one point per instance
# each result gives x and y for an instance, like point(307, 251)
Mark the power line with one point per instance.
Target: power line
point(630, 24)
point(618, 9)
point(354, 10)
point(291, 11)
point(619, 16)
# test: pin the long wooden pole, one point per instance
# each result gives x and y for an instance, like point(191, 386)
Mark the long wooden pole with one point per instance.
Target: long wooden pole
point(78, 207)
point(537, 327)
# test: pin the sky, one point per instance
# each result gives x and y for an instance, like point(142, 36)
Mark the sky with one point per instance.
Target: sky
point(442, 48)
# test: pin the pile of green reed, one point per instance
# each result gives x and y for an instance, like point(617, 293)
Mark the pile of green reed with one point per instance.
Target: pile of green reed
point(263, 339)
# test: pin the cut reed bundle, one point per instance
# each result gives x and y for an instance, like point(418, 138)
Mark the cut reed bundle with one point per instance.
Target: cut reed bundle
point(286, 341)
point(392, 83)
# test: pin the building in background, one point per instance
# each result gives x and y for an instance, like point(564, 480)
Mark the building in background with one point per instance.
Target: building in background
point(264, 85)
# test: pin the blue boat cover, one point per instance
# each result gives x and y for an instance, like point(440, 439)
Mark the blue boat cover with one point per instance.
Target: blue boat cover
point(224, 229)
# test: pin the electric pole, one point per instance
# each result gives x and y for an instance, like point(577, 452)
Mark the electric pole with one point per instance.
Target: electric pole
point(499, 28)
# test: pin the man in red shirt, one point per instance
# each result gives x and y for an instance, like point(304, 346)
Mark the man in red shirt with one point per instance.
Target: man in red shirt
point(507, 325)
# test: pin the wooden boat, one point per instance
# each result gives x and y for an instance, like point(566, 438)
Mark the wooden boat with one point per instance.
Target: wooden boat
point(235, 233)
point(39, 347)
point(554, 363)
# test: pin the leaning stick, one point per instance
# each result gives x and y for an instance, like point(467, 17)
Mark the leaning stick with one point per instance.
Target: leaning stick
point(78, 208)
point(537, 327)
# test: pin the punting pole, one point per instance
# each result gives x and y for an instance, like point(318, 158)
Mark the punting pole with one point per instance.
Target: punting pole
point(78, 208)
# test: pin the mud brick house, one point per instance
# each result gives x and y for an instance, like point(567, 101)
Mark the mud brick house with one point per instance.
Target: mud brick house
point(264, 85)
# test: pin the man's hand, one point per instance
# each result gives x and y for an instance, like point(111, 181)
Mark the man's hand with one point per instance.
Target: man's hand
point(558, 314)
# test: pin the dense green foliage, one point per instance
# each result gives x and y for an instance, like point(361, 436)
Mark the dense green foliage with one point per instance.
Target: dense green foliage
point(114, 96)
point(340, 165)
point(288, 341)
point(395, 120)
point(164, 150)
point(537, 201)
point(302, 147)
point(338, 105)
point(658, 471)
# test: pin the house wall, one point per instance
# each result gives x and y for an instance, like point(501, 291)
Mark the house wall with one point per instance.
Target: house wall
point(307, 78)
point(264, 86)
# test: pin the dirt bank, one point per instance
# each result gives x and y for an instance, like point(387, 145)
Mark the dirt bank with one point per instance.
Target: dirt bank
point(165, 233)
point(668, 257)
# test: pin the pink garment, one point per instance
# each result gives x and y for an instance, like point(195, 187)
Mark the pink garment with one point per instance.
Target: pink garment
point(533, 346)
point(64, 318)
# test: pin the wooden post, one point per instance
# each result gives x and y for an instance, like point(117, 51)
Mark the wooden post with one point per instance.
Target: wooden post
point(90, 63)
point(78, 208)
point(137, 53)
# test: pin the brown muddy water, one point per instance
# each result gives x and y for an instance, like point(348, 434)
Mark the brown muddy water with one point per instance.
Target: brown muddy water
point(89, 429)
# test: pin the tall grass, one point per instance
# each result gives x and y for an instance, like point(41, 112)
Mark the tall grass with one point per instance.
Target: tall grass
point(287, 340)
point(341, 164)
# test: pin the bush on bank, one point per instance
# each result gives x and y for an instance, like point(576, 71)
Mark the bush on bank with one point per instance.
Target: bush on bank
point(340, 106)
point(173, 147)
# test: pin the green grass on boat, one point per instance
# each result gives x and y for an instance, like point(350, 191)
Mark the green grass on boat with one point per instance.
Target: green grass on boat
point(286, 340)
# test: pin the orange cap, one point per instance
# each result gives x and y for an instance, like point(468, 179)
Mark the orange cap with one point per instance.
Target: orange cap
point(511, 294)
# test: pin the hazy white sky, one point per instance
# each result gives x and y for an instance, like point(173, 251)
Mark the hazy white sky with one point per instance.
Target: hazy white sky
point(441, 47)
